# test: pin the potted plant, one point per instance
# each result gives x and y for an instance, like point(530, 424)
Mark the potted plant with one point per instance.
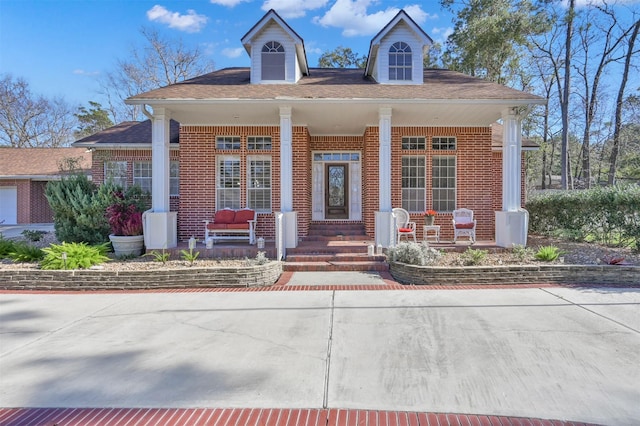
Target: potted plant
point(125, 220)
point(429, 217)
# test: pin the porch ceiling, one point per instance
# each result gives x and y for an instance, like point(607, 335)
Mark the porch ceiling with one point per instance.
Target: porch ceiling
point(338, 117)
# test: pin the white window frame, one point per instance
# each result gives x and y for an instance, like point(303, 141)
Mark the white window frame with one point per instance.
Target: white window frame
point(444, 143)
point(444, 186)
point(142, 175)
point(259, 143)
point(174, 178)
point(228, 189)
point(259, 184)
point(228, 143)
point(413, 143)
point(400, 51)
point(414, 184)
point(115, 172)
point(273, 62)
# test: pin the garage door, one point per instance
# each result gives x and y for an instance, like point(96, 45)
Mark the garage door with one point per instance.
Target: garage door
point(9, 205)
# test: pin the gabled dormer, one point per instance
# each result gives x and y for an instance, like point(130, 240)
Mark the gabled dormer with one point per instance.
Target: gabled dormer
point(396, 53)
point(277, 52)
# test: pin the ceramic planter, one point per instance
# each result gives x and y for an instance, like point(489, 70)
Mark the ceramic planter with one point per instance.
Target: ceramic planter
point(127, 245)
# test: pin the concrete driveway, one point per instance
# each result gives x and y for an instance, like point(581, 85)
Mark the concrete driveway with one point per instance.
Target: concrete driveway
point(555, 353)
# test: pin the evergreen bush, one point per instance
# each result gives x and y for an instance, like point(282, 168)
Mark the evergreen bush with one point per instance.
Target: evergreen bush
point(608, 215)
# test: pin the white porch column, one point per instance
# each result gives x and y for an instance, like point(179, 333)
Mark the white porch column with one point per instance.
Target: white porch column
point(290, 219)
point(160, 225)
point(384, 225)
point(513, 221)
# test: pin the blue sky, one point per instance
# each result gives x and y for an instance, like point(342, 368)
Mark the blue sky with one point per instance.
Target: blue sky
point(62, 47)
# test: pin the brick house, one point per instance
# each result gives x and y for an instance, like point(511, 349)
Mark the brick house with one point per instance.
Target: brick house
point(306, 145)
point(24, 174)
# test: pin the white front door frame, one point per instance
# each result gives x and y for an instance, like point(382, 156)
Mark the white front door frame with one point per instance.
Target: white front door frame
point(318, 182)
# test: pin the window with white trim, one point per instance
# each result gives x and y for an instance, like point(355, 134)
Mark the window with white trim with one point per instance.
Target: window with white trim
point(115, 172)
point(259, 183)
point(414, 183)
point(142, 175)
point(259, 143)
point(443, 143)
point(228, 142)
point(444, 182)
point(400, 61)
point(273, 56)
point(174, 178)
point(228, 182)
point(414, 143)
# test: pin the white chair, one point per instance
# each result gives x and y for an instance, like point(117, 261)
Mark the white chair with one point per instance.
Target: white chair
point(403, 225)
point(464, 224)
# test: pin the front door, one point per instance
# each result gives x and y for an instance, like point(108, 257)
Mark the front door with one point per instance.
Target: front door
point(337, 193)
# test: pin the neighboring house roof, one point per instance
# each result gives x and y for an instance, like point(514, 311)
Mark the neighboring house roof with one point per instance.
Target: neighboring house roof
point(231, 84)
point(39, 163)
point(128, 134)
point(497, 131)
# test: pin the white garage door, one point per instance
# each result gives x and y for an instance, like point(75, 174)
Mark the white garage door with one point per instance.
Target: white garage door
point(9, 205)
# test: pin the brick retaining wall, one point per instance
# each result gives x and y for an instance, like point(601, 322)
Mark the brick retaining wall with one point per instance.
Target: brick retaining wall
point(516, 274)
point(249, 276)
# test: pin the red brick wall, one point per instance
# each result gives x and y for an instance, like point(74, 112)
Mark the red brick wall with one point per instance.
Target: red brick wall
point(40, 210)
point(198, 174)
point(479, 181)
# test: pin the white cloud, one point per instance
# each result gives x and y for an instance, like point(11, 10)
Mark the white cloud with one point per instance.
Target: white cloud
point(228, 3)
point(352, 17)
point(191, 22)
point(85, 72)
point(441, 34)
point(293, 8)
point(232, 53)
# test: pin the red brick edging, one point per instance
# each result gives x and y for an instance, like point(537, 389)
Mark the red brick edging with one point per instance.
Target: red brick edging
point(252, 416)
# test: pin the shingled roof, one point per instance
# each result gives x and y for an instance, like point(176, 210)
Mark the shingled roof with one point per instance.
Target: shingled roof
point(333, 83)
point(39, 163)
point(127, 133)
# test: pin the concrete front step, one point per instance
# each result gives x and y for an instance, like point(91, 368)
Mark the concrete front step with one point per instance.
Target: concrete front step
point(334, 266)
point(334, 237)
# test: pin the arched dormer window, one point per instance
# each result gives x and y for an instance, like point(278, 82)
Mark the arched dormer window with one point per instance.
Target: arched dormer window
point(400, 61)
point(273, 61)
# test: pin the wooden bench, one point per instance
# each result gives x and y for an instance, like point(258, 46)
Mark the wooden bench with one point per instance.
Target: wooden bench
point(229, 224)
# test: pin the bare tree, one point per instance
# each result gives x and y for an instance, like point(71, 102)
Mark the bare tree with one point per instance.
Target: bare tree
point(619, 103)
point(564, 98)
point(28, 121)
point(160, 62)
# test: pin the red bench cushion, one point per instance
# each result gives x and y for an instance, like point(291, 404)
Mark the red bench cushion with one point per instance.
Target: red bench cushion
point(468, 225)
point(243, 216)
point(224, 216)
point(214, 226)
point(238, 226)
point(405, 230)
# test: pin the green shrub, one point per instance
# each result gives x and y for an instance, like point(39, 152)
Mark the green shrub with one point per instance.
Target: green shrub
point(33, 235)
point(23, 252)
point(548, 253)
point(6, 247)
point(411, 253)
point(521, 252)
point(78, 256)
point(158, 256)
point(471, 257)
point(189, 256)
point(608, 215)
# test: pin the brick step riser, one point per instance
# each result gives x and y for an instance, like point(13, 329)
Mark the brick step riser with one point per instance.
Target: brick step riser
point(329, 267)
point(333, 258)
point(311, 251)
point(333, 237)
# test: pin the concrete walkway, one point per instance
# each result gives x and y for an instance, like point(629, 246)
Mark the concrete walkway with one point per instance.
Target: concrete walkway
point(550, 353)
